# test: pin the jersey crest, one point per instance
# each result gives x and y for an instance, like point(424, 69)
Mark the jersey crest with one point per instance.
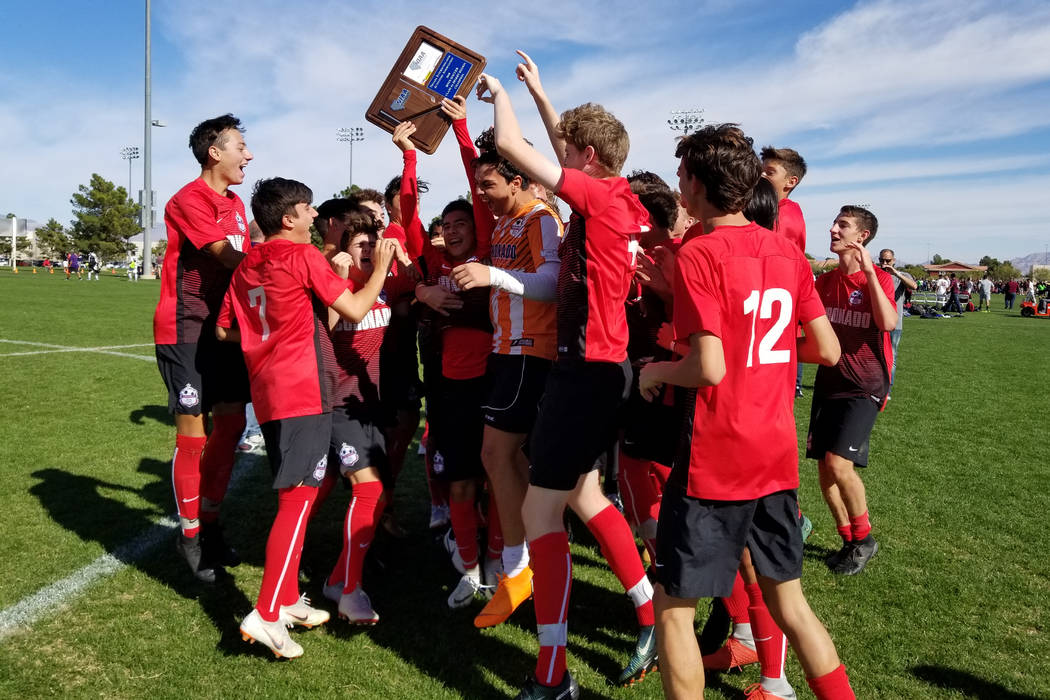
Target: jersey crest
point(856, 297)
point(347, 455)
point(189, 397)
point(321, 468)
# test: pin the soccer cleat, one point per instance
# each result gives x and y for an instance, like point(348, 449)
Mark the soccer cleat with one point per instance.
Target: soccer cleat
point(733, 654)
point(214, 550)
point(511, 592)
point(251, 443)
point(566, 690)
point(356, 608)
point(272, 634)
point(464, 592)
point(334, 591)
point(798, 392)
point(190, 550)
point(438, 516)
point(858, 557)
point(303, 614)
point(757, 692)
point(807, 527)
point(643, 660)
point(449, 541)
point(492, 570)
point(834, 559)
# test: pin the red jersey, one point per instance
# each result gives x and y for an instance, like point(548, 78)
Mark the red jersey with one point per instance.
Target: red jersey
point(750, 287)
point(791, 223)
point(279, 295)
point(192, 282)
point(355, 366)
point(597, 266)
point(867, 355)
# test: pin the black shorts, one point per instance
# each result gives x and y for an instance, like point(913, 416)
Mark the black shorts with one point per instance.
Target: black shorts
point(652, 429)
point(200, 375)
point(842, 427)
point(579, 419)
point(516, 385)
point(356, 443)
point(298, 449)
point(456, 427)
point(399, 385)
point(699, 542)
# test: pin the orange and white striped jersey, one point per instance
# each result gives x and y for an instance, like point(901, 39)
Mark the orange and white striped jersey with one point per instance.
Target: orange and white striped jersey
point(523, 241)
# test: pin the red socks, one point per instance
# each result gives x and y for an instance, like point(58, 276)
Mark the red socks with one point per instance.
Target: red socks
point(362, 516)
point(465, 527)
point(641, 498)
point(284, 547)
point(617, 545)
point(860, 526)
point(845, 532)
point(217, 462)
point(770, 642)
point(551, 585)
point(186, 481)
point(832, 686)
point(738, 602)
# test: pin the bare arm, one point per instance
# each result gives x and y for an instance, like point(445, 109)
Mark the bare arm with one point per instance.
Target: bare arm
point(225, 253)
point(820, 345)
point(704, 365)
point(340, 262)
point(883, 310)
point(529, 74)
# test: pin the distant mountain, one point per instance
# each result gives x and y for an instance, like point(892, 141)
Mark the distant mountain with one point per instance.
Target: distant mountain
point(1025, 264)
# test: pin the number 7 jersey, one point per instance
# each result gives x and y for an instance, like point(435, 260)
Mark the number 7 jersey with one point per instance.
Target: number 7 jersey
point(750, 288)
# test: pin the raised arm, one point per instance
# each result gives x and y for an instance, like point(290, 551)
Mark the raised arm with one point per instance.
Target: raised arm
point(883, 308)
point(529, 74)
point(414, 234)
point(484, 221)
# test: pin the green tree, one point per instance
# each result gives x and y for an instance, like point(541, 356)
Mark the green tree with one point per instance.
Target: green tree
point(347, 192)
point(1007, 271)
point(104, 219)
point(52, 238)
point(159, 249)
point(990, 262)
point(938, 260)
point(916, 271)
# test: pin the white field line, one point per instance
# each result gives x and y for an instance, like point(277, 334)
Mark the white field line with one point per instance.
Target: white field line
point(103, 350)
point(33, 607)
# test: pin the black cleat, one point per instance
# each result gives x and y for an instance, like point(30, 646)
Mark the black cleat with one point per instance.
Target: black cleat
point(214, 550)
point(858, 558)
point(566, 690)
point(643, 660)
point(835, 559)
point(190, 550)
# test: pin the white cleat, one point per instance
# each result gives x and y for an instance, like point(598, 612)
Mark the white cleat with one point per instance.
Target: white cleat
point(493, 569)
point(334, 591)
point(303, 614)
point(356, 608)
point(271, 634)
point(438, 516)
point(464, 592)
point(453, 552)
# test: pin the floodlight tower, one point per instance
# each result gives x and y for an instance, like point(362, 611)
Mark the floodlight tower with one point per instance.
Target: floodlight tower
point(685, 120)
point(350, 135)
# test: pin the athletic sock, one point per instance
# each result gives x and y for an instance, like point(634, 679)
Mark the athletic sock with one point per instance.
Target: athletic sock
point(284, 546)
point(617, 545)
point(845, 532)
point(551, 585)
point(494, 550)
point(860, 526)
point(515, 559)
point(186, 481)
point(770, 642)
point(362, 516)
point(832, 686)
point(217, 462)
point(324, 490)
point(638, 490)
point(465, 527)
point(737, 603)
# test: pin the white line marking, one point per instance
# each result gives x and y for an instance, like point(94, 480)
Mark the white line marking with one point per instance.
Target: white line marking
point(32, 608)
point(102, 350)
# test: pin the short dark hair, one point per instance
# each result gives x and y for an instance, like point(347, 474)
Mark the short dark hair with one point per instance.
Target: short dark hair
point(458, 205)
point(866, 221)
point(275, 197)
point(357, 222)
point(793, 163)
point(723, 158)
point(210, 132)
point(659, 201)
point(504, 167)
point(647, 177)
point(393, 188)
point(763, 208)
point(333, 209)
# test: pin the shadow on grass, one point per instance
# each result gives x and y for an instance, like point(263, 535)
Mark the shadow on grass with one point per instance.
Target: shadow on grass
point(156, 413)
point(94, 510)
point(966, 683)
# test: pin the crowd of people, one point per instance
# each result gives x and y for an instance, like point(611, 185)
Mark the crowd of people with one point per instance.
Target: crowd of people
point(660, 328)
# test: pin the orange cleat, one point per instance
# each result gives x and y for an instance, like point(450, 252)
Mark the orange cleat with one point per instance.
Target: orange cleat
point(511, 592)
point(733, 654)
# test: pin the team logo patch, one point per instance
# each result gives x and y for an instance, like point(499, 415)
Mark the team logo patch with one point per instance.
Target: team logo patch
point(517, 227)
point(240, 223)
point(189, 397)
point(321, 468)
point(439, 463)
point(856, 297)
point(399, 103)
point(348, 455)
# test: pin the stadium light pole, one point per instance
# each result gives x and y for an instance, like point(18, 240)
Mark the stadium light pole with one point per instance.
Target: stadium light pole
point(147, 163)
point(350, 135)
point(129, 153)
point(685, 120)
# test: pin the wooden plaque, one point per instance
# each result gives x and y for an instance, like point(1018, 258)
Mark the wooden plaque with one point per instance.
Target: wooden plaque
point(430, 68)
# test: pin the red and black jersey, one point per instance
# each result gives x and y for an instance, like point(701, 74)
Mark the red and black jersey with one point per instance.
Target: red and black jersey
point(356, 362)
point(192, 282)
point(749, 287)
point(867, 355)
point(279, 295)
point(467, 332)
point(597, 265)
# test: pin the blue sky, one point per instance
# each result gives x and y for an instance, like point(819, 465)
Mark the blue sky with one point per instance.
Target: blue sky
point(931, 112)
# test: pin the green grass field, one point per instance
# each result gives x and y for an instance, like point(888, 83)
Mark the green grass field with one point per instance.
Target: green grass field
point(955, 605)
